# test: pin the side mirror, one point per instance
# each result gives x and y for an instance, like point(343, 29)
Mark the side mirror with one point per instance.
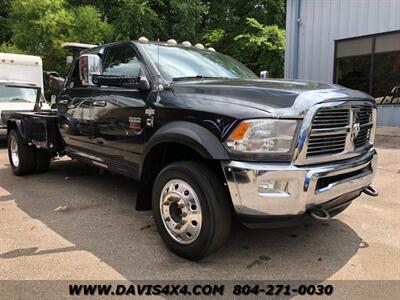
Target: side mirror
point(144, 84)
point(264, 74)
point(89, 65)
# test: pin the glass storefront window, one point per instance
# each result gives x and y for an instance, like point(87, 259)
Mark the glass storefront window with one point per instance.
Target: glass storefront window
point(386, 77)
point(354, 72)
point(370, 64)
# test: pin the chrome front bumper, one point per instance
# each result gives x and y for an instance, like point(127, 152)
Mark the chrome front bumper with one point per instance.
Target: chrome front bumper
point(260, 189)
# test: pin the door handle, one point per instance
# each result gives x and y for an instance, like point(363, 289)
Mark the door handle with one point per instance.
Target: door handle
point(100, 103)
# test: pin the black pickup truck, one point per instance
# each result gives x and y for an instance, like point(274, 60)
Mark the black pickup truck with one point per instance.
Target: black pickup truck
point(207, 139)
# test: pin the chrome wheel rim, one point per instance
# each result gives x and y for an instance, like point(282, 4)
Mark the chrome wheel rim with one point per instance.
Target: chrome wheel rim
point(181, 211)
point(14, 152)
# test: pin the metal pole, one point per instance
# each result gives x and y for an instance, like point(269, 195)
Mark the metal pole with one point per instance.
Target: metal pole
point(296, 39)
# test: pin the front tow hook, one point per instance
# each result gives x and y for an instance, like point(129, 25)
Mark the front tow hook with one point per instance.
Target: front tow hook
point(370, 191)
point(319, 214)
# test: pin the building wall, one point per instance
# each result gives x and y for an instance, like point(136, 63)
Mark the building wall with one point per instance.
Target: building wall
point(323, 22)
point(387, 115)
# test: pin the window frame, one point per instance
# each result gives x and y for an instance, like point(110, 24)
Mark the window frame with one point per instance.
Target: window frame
point(118, 45)
point(74, 65)
point(372, 55)
point(151, 76)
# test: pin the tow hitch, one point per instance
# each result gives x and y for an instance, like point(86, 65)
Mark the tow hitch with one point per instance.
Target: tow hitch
point(370, 191)
point(322, 214)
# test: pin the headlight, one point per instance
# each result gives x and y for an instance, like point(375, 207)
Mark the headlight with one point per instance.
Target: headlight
point(263, 136)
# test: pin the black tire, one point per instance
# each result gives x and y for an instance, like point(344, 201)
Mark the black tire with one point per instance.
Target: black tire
point(215, 208)
point(43, 160)
point(26, 155)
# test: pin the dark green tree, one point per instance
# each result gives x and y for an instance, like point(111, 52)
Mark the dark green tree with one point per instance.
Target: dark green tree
point(182, 19)
point(40, 27)
point(88, 27)
point(229, 30)
point(5, 31)
point(264, 46)
point(251, 30)
point(132, 19)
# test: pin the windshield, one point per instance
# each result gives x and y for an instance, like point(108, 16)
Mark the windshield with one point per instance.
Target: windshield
point(179, 62)
point(17, 94)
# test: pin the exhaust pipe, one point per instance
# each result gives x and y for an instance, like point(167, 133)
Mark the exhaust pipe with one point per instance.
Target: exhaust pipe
point(370, 191)
point(320, 214)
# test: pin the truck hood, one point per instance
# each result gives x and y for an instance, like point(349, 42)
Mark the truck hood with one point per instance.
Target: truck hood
point(279, 98)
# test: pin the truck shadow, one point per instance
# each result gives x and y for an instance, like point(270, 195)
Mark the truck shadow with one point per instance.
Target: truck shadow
point(96, 213)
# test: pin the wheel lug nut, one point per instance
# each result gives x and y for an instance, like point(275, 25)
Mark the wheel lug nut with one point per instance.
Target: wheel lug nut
point(168, 219)
point(179, 226)
point(181, 206)
point(183, 222)
point(184, 214)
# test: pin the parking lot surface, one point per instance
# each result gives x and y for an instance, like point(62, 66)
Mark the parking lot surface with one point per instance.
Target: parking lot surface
point(75, 223)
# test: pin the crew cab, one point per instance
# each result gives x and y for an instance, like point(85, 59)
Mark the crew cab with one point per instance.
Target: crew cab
point(207, 139)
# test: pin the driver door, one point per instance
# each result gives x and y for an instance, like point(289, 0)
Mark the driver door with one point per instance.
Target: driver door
point(75, 113)
point(118, 112)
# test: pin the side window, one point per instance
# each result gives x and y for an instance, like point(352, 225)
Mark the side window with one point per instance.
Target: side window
point(121, 61)
point(75, 81)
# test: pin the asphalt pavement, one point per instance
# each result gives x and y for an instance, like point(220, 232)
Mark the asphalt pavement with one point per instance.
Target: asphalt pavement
point(75, 223)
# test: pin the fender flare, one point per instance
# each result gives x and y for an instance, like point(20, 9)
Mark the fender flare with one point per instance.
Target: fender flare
point(190, 134)
point(21, 130)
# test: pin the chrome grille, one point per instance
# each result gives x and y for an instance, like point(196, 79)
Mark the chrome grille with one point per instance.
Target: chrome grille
point(331, 118)
point(336, 131)
point(364, 118)
point(324, 138)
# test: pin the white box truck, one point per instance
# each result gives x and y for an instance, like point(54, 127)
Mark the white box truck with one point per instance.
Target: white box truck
point(21, 82)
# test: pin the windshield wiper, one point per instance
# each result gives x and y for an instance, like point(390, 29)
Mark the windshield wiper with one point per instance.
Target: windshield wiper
point(196, 78)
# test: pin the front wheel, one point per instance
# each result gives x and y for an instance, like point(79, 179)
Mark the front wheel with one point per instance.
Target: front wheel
point(191, 209)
